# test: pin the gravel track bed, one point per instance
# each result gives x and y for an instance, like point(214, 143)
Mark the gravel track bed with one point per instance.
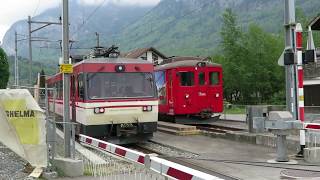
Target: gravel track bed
point(169, 151)
point(11, 165)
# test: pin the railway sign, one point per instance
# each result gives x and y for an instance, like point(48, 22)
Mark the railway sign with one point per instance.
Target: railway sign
point(66, 68)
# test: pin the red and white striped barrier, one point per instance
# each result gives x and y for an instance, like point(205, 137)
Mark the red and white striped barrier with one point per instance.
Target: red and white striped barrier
point(311, 126)
point(161, 166)
point(126, 153)
point(178, 171)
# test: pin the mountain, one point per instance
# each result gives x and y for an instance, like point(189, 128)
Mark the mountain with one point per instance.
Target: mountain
point(175, 27)
point(192, 27)
point(85, 20)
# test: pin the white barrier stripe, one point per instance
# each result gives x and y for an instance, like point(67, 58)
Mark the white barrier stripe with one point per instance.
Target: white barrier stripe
point(302, 137)
point(301, 103)
point(299, 58)
point(301, 92)
point(156, 166)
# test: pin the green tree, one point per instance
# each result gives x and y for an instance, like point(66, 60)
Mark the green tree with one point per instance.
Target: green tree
point(232, 57)
point(249, 60)
point(4, 69)
point(263, 75)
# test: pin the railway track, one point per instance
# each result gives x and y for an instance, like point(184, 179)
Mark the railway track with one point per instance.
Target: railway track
point(217, 128)
point(182, 161)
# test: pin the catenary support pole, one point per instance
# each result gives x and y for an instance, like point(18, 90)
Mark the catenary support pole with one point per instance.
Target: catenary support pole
point(66, 78)
point(30, 50)
point(16, 66)
point(292, 76)
point(289, 24)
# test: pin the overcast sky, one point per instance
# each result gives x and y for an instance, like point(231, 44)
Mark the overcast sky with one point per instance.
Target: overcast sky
point(14, 10)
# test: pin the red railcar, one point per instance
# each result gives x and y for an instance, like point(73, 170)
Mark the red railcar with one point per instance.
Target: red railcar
point(190, 91)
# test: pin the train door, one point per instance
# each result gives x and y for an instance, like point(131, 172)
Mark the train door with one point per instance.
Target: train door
point(186, 98)
point(202, 92)
point(215, 89)
point(170, 93)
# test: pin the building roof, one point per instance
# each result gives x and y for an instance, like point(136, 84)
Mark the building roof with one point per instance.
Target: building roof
point(315, 23)
point(138, 52)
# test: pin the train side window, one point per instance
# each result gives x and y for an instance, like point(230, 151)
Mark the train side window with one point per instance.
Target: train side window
point(202, 80)
point(161, 86)
point(80, 86)
point(186, 78)
point(214, 78)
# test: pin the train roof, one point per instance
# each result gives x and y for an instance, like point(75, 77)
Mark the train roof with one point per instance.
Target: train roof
point(185, 63)
point(113, 61)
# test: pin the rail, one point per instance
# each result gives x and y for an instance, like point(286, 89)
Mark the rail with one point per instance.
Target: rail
point(158, 165)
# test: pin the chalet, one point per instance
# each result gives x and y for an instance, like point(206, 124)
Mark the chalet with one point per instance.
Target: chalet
point(312, 73)
point(150, 54)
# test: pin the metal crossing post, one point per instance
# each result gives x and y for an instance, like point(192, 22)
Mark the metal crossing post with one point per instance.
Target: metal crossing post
point(66, 78)
point(294, 72)
point(289, 24)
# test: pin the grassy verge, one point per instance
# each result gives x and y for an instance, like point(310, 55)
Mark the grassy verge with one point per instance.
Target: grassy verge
point(235, 110)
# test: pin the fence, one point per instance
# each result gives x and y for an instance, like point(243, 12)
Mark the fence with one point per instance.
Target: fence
point(54, 146)
point(238, 112)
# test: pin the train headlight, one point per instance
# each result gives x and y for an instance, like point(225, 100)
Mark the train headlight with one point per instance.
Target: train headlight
point(120, 68)
point(98, 110)
point(187, 96)
point(147, 108)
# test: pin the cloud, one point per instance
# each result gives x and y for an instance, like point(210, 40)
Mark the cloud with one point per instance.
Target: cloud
point(120, 2)
point(14, 10)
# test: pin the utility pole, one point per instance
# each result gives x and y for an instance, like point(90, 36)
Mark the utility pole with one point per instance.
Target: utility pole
point(98, 39)
point(66, 78)
point(294, 71)
point(30, 31)
point(16, 67)
point(290, 24)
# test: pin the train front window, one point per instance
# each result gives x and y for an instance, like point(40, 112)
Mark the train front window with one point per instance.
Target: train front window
point(186, 78)
point(214, 78)
point(120, 85)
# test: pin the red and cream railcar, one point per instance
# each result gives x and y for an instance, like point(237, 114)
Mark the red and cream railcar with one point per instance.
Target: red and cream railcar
point(113, 98)
point(190, 88)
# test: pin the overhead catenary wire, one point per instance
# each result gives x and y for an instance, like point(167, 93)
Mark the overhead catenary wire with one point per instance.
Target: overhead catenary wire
point(169, 23)
point(36, 9)
point(88, 18)
point(126, 27)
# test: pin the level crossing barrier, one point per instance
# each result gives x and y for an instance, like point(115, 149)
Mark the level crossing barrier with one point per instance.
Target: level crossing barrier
point(158, 165)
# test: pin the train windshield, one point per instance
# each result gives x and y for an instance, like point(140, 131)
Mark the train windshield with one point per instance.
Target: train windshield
point(120, 85)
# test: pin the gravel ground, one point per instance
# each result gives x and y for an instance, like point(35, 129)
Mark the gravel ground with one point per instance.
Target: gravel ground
point(169, 151)
point(11, 165)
